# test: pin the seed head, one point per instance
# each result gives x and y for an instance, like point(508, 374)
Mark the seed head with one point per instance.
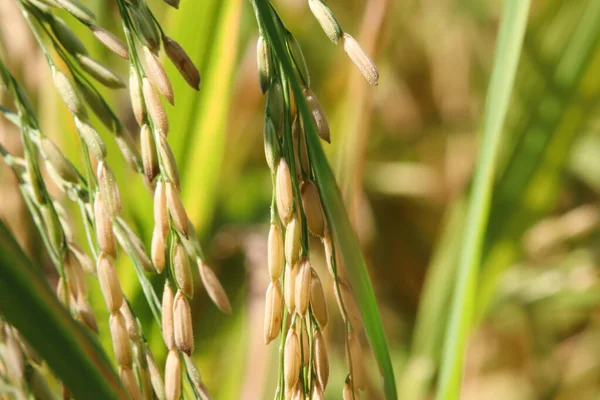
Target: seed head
point(161, 221)
point(109, 191)
point(363, 62)
point(275, 258)
point(173, 376)
point(273, 311)
point(168, 300)
point(129, 382)
point(317, 114)
point(292, 359)
point(289, 291)
point(110, 41)
point(67, 93)
point(78, 10)
point(104, 228)
point(181, 269)
point(66, 37)
point(263, 59)
point(100, 73)
point(298, 57)
point(109, 283)
point(326, 19)
point(292, 241)
point(157, 75)
point(302, 286)
point(176, 210)
point(135, 94)
point(214, 288)
point(317, 300)
point(283, 192)
point(120, 339)
point(155, 107)
point(149, 154)
point(182, 62)
point(182, 320)
point(321, 360)
point(272, 152)
point(57, 161)
point(91, 138)
point(157, 250)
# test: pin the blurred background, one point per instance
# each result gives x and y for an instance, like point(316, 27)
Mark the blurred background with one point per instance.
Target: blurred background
point(403, 153)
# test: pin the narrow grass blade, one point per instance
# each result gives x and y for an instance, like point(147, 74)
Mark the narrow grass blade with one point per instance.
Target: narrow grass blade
point(508, 49)
point(531, 183)
point(29, 304)
point(208, 135)
point(335, 209)
point(430, 325)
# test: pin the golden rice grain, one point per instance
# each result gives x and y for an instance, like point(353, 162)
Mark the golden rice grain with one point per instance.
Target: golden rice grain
point(317, 300)
point(109, 283)
point(214, 288)
point(292, 359)
point(275, 256)
point(302, 286)
point(273, 311)
point(120, 339)
point(168, 299)
point(157, 75)
point(110, 41)
point(182, 323)
point(181, 269)
point(284, 194)
point(173, 376)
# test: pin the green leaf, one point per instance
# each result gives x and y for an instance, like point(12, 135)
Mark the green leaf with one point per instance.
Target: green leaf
point(530, 183)
point(29, 304)
point(510, 40)
point(200, 119)
point(335, 210)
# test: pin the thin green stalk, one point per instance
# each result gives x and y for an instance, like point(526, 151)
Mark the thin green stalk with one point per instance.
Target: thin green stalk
point(335, 212)
point(508, 49)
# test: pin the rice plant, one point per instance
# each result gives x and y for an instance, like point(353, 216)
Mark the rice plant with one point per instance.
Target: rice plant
point(425, 226)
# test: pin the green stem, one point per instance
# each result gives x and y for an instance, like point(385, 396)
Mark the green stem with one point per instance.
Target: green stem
point(510, 40)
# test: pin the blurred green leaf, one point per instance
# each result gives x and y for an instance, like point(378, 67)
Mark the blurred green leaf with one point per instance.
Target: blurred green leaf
point(29, 304)
point(506, 59)
point(531, 181)
point(200, 120)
